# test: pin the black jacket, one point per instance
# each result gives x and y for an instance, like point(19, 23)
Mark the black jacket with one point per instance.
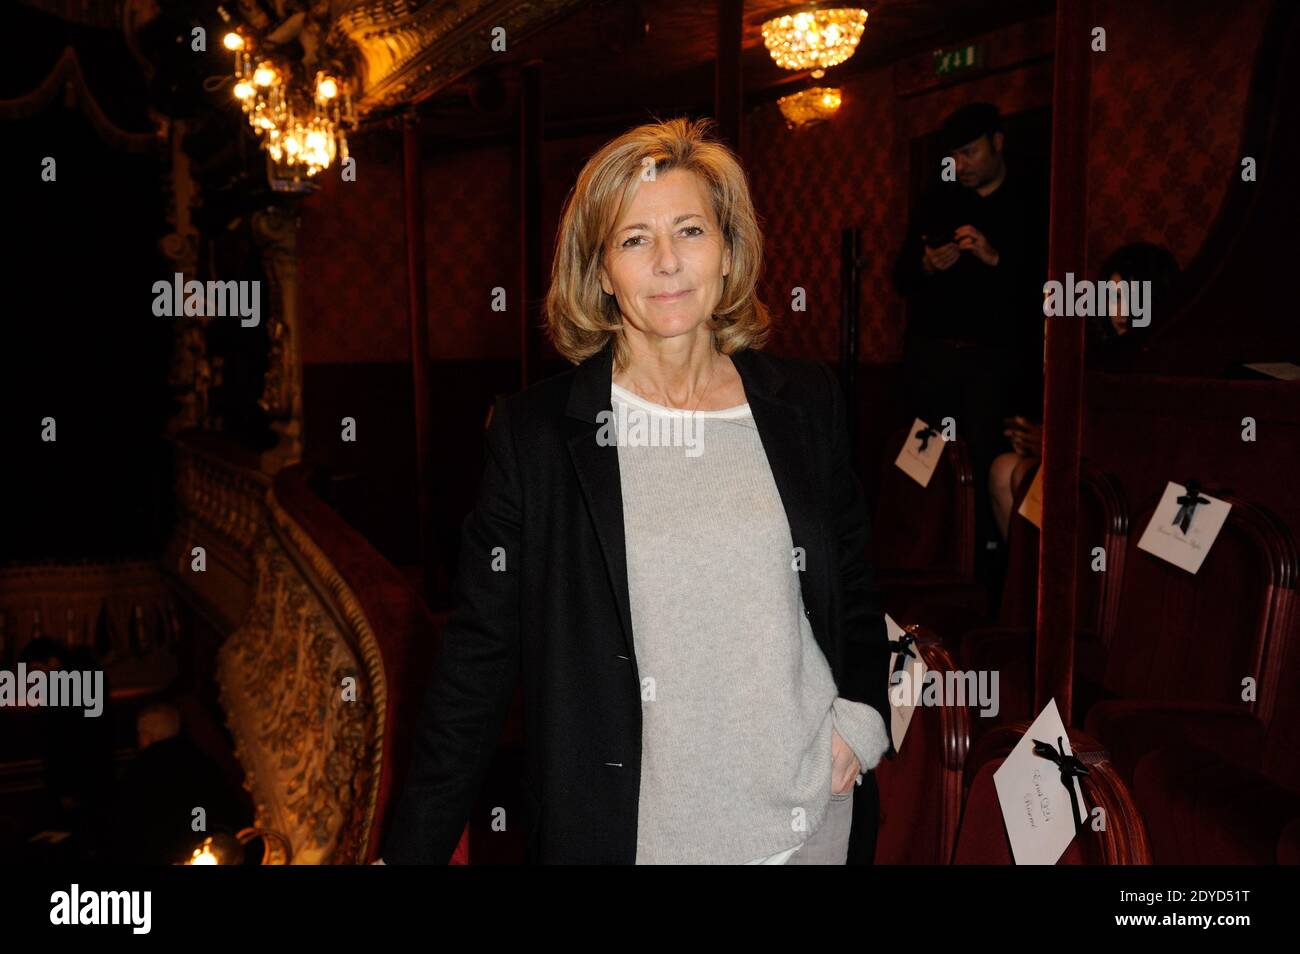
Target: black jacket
point(550, 498)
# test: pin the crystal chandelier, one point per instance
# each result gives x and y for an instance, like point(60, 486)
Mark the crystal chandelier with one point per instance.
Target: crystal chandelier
point(302, 132)
point(813, 37)
point(809, 106)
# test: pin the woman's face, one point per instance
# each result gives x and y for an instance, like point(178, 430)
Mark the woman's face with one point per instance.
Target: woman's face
point(1119, 308)
point(665, 260)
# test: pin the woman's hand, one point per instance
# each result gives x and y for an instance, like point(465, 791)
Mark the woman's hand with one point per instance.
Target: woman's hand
point(1026, 436)
point(844, 765)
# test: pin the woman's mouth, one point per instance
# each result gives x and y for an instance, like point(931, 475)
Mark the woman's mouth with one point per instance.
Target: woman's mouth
point(674, 296)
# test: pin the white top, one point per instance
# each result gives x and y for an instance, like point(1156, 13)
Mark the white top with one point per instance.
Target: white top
point(628, 397)
point(738, 700)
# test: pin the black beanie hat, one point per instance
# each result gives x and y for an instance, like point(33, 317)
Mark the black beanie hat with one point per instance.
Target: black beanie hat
point(968, 123)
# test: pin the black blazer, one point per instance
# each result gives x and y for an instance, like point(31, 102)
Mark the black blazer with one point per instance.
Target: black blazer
point(550, 500)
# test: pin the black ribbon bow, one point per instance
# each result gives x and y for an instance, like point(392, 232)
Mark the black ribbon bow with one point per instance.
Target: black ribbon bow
point(1189, 502)
point(903, 646)
point(1071, 768)
point(924, 435)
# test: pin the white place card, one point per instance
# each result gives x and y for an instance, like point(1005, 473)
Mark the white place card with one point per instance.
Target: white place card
point(1282, 370)
point(917, 463)
point(904, 689)
point(1035, 805)
point(1031, 507)
point(1165, 537)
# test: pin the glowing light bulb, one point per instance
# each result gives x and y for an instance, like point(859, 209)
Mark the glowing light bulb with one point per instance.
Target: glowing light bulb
point(233, 41)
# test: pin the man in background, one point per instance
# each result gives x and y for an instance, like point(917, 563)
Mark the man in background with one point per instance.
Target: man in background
point(972, 268)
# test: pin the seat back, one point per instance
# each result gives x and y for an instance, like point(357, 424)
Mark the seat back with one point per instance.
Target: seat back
point(1282, 717)
point(982, 835)
point(929, 528)
point(921, 787)
point(1196, 637)
point(1103, 522)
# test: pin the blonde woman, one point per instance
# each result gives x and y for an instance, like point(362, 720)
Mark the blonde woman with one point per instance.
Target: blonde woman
point(704, 661)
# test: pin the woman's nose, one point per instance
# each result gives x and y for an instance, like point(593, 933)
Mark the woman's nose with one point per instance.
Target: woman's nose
point(666, 259)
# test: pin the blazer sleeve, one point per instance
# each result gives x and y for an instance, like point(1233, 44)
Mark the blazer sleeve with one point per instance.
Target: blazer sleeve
point(865, 677)
point(475, 671)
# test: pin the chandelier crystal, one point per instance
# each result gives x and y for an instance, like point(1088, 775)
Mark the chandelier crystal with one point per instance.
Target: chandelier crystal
point(814, 38)
point(302, 131)
point(809, 106)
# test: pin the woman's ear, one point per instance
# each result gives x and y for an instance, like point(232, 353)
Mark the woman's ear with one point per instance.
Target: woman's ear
point(726, 260)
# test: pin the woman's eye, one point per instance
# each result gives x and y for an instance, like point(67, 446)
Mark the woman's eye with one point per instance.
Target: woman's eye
point(697, 229)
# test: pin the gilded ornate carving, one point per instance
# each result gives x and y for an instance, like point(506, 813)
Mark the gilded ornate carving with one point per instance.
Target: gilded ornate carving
point(223, 499)
point(276, 232)
point(409, 50)
point(311, 756)
point(190, 376)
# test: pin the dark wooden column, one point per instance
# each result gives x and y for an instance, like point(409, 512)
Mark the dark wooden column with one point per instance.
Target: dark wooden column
point(417, 314)
point(531, 288)
point(1063, 394)
point(728, 84)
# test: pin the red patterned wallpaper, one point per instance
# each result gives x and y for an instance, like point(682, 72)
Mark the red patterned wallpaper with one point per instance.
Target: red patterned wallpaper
point(1168, 107)
point(352, 260)
point(853, 170)
point(1167, 118)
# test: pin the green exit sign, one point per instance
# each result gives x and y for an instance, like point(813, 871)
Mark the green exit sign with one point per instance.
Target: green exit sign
point(947, 62)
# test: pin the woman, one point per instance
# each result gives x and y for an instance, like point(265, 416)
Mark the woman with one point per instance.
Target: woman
point(1109, 338)
point(703, 657)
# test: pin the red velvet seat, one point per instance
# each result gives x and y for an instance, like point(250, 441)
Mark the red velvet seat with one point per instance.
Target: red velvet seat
point(982, 836)
point(924, 542)
point(1218, 785)
point(1288, 845)
point(1184, 643)
point(921, 787)
point(1009, 647)
point(1201, 808)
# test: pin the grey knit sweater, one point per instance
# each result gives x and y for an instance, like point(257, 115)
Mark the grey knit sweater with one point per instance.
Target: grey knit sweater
point(738, 700)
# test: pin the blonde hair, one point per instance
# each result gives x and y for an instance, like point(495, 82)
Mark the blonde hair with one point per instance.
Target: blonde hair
point(580, 317)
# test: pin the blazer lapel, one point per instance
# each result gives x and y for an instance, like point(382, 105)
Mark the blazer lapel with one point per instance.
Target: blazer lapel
point(598, 474)
point(782, 428)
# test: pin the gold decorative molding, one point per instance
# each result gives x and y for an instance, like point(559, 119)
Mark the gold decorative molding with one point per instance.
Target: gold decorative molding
point(407, 50)
point(275, 232)
point(190, 375)
point(66, 601)
point(312, 758)
point(220, 508)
